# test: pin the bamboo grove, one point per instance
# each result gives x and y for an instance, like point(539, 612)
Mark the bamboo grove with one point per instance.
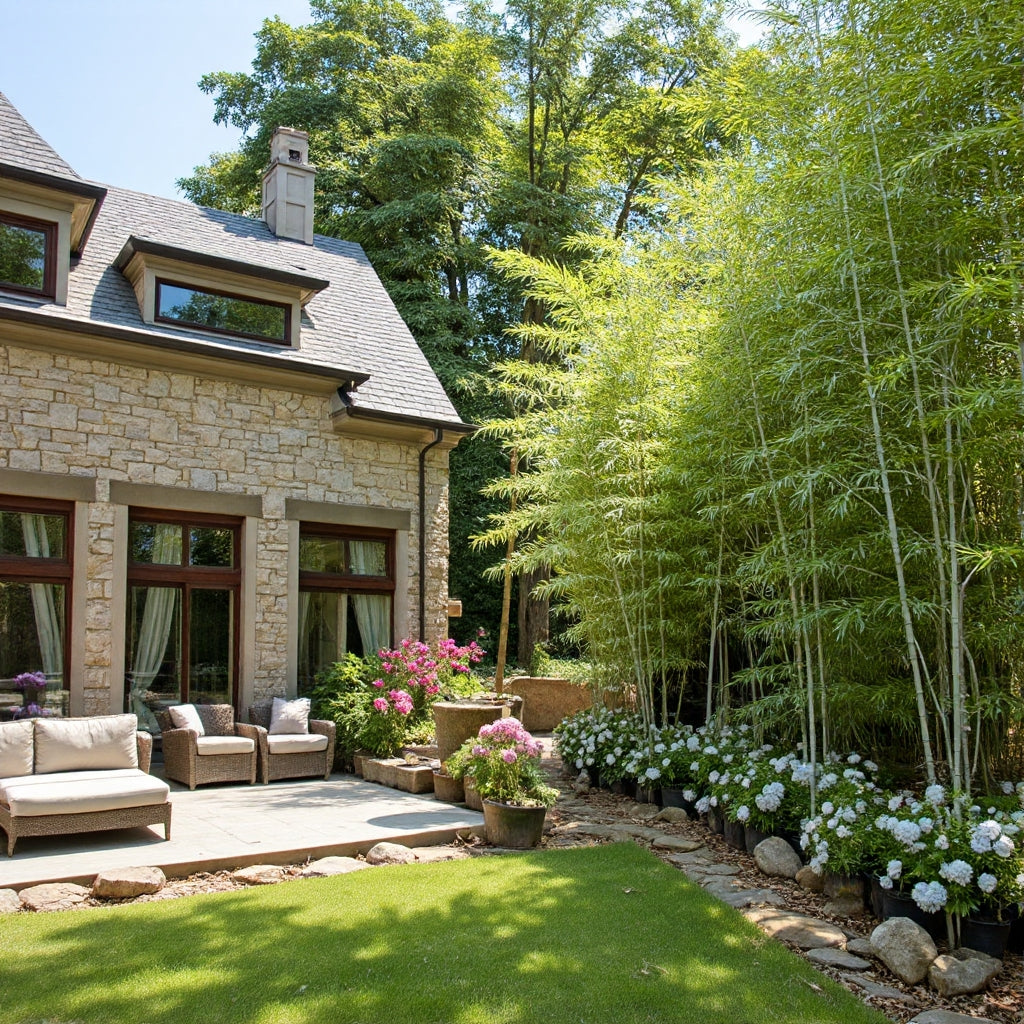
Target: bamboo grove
point(775, 454)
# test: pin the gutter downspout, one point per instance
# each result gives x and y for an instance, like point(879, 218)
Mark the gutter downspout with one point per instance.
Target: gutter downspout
point(438, 438)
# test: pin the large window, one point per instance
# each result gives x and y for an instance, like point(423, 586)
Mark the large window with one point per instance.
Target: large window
point(184, 582)
point(35, 596)
point(221, 312)
point(28, 258)
point(346, 595)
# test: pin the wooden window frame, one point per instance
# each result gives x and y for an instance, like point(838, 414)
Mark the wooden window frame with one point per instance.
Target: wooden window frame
point(49, 231)
point(192, 577)
point(30, 569)
point(285, 340)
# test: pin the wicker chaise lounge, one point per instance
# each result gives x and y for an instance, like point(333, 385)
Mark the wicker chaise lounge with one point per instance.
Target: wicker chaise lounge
point(293, 755)
point(63, 776)
point(224, 751)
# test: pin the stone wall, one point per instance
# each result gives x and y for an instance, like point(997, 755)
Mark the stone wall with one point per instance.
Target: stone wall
point(63, 414)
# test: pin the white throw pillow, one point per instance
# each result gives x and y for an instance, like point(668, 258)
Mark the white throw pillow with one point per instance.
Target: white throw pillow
point(289, 717)
point(185, 716)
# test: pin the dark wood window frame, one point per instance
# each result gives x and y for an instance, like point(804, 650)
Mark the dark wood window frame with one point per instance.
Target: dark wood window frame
point(31, 569)
point(285, 340)
point(49, 231)
point(193, 577)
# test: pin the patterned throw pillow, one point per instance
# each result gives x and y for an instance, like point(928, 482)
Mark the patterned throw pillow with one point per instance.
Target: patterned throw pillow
point(289, 717)
point(217, 719)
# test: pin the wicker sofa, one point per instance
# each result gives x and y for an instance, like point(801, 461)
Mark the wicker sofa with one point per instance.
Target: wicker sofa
point(65, 775)
point(225, 750)
point(294, 755)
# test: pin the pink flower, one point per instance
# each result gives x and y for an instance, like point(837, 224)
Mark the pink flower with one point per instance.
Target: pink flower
point(378, 683)
point(509, 756)
point(381, 704)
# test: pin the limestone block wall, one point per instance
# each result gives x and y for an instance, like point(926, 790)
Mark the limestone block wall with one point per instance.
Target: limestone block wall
point(65, 414)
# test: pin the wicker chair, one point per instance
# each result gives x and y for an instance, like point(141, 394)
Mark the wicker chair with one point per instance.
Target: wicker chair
point(289, 760)
point(186, 761)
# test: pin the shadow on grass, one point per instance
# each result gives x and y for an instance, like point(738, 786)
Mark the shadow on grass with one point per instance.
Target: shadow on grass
point(587, 935)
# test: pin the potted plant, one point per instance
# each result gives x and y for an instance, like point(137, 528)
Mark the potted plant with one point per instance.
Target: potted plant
point(504, 763)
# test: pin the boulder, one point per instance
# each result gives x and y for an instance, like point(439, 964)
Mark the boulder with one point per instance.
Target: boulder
point(333, 866)
point(905, 948)
point(775, 857)
point(809, 879)
point(54, 896)
point(9, 902)
point(862, 947)
point(124, 883)
point(390, 853)
point(957, 974)
point(672, 815)
point(799, 929)
point(259, 874)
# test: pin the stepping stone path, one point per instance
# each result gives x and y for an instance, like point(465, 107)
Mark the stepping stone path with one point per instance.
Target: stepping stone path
point(828, 956)
point(947, 1017)
point(873, 990)
point(803, 931)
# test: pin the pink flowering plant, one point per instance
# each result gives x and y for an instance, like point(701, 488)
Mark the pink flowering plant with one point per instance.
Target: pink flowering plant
point(386, 722)
point(429, 673)
point(504, 761)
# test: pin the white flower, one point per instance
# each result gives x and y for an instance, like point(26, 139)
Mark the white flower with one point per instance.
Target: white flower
point(659, 748)
point(942, 842)
point(849, 815)
point(925, 824)
point(653, 773)
point(827, 807)
point(987, 882)
point(743, 813)
point(1003, 846)
point(579, 762)
point(853, 759)
point(929, 896)
point(714, 777)
point(770, 797)
point(703, 804)
point(689, 796)
point(907, 832)
point(894, 869)
point(958, 871)
point(885, 882)
point(870, 766)
point(1007, 788)
point(666, 761)
point(695, 766)
point(713, 800)
point(609, 759)
point(745, 783)
point(843, 832)
point(711, 751)
point(693, 744)
point(935, 795)
point(895, 803)
point(728, 759)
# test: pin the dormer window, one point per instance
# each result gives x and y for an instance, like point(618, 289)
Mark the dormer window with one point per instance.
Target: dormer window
point(222, 312)
point(28, 255)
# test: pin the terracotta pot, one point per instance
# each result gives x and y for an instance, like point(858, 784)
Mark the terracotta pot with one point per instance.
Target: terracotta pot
point(450, 790)
point(473, 798)
point(517, 828)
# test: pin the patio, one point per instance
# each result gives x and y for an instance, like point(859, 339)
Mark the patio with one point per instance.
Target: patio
point(230, 826)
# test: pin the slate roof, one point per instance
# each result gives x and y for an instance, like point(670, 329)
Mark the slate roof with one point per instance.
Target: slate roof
point(350, 325)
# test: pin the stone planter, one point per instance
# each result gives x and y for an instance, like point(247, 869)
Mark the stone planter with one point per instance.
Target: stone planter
point(473, 799)
point(546, 701)
point(399, 774)
point(450, 790)
point(456, 721)
point(517, 828)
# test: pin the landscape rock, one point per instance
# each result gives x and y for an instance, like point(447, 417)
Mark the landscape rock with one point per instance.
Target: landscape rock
point(125, 883)
point(947, 1017)
point(259, 874)
point(677, 844)
point(54, 896)
point(873, 990)
point(845, 906)
point(952, 975)
point(672, 815)
point(831, 957)
point(809, 879)
point(799, 929)
point(862, 947)
point(9, 902)
point(905, 948)
point(326, 866)
point(433, 854)
point(776, 858)
point(390, 853)
point(720, 869)
point(582, 783)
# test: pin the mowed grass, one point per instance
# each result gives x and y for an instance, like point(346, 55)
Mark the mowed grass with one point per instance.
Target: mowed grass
point(584, 935)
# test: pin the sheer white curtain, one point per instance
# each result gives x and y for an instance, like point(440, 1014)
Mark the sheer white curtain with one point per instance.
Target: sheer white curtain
point(372, 611)
point(155, 631)
point(44, 605)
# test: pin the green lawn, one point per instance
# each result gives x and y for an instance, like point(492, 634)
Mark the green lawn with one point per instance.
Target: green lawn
point(581, 936)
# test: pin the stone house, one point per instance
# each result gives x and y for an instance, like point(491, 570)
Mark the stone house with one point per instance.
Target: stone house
point(223, 457)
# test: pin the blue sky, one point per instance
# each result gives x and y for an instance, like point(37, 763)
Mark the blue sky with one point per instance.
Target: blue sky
point(111, 84)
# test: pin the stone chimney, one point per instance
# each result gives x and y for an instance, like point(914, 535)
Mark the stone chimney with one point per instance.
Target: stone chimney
point(288, 186)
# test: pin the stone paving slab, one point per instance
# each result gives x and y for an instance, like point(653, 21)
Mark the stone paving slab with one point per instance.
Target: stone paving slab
point(231, 826)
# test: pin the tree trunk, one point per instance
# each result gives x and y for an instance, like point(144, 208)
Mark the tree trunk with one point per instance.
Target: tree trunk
point(533, 615)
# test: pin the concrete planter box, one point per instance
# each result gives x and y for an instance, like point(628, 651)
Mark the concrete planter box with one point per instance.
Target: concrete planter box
point(456, 721)
point(547, 701)
point(399, 774)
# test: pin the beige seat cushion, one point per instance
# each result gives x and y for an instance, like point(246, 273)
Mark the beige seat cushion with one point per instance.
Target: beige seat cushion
point(79, 744)
point(44, 780)
point(305, 744)
point(206, 745)
point(16, 748)
point(77, 796)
